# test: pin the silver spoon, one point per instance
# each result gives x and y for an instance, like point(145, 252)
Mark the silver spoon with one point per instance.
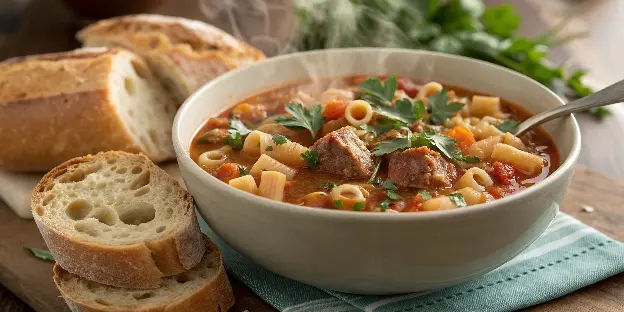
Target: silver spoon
point(607, 96)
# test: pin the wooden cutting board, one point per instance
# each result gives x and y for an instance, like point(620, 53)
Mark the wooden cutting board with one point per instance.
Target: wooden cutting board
point(30, 278)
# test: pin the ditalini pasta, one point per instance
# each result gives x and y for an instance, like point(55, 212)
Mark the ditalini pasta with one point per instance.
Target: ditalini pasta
point(272, 184)
point(439, 203)
point(286, 152)
point(245, 183)
point(358, 113)
point(376, 144)
point(266, 163)
point(475, 178)
point(527, 162)
point(429, 89)
point(486, 106)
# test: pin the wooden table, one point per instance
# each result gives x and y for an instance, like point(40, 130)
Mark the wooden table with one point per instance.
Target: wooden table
point(46, 26)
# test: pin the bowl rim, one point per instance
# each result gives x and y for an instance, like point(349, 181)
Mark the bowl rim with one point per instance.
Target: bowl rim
point(184, 158)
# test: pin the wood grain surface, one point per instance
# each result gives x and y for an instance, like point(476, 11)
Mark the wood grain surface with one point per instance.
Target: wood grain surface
point(40, 26)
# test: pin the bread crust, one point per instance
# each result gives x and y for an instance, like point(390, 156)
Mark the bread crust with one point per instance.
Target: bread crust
point(183, 52)
point(215, 296)
point(137, 266)
point(54, 107)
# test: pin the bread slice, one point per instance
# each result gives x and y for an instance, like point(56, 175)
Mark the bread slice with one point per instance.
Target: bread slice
point(117, 219)
point(184, 53)
point(54, 107)
point(204, 288)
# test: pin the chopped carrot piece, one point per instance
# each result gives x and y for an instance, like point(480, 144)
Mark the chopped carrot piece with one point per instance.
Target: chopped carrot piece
point(334, 109)
point(227, 172)
point(463, 136)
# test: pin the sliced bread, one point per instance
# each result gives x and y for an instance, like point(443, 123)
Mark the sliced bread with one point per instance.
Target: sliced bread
point(204, 288)
point(184, 53)
point(54, 107)
point(117, 219)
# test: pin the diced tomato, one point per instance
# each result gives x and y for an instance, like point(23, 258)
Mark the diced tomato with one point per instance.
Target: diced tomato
point(218, 123)
point(500, 191)
point(227, 172)
point(503, 173)
point(463, 136)
point(334, 109)
point(408, 86)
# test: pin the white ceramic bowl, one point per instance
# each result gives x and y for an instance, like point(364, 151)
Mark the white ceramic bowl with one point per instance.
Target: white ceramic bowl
point(375, 253)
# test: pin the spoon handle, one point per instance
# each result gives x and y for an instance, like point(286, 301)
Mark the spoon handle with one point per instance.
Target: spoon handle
point(609, 95)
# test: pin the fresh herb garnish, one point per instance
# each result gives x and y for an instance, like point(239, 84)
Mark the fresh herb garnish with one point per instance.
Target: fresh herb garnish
point(382, 126)
point(441, 109)
point(391, 195)
point(328, 186)
point(311, 119)
point(358, 206)
point(238, 131)
point(377, 92)
point(243, 172)
point(457, 199)
point(447, 146)
point(268, 148)
point(380, 96)
point(279, 139)
point(599, 112)
point(338, 204)
point(425, 195)
point(40, 253)
point(387, 147)
point(508, 125)
point(311, 158)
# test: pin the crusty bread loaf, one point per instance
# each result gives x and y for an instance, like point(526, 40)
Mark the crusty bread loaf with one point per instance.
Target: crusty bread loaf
point(54, 107)
point(117, 219)
point(184, 53)
point(204, 288)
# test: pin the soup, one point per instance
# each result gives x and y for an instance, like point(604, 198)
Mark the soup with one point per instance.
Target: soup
point(382, 144)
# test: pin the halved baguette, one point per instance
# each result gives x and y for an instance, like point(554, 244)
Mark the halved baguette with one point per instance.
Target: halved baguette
point(117, 219)
point(204, 288)
point(54, 107)
point(184, 53)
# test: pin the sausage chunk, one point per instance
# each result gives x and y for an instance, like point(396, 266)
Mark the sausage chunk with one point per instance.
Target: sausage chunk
point(422, 168)
point(341, 152)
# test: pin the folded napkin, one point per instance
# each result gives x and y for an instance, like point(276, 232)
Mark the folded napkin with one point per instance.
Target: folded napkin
point(568, 256)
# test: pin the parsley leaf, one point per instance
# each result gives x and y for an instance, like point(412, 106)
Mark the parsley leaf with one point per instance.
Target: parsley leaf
point(311, 119)
point(338, 204)
point(237, 130)
point(40, 253)
point(440, 107)
point(389, 185)
point(457, 199)
point(393, 195)
point(243, 172)
point(425, 195)
point(387, 147)
point(279, 139)
point(311, 158)
point(268, 148)
point(358, 206)
point(235, 139)
point(508, 125)
point(377, 92)
point(447, 146)
point(382, 126)
point(385, 204)
point(599, 112)
point(328, 186)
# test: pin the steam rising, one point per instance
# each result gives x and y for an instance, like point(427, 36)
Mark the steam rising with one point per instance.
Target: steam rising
point(273, 26)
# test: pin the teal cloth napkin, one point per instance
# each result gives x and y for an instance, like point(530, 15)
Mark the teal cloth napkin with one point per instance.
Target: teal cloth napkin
point(568, 256)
